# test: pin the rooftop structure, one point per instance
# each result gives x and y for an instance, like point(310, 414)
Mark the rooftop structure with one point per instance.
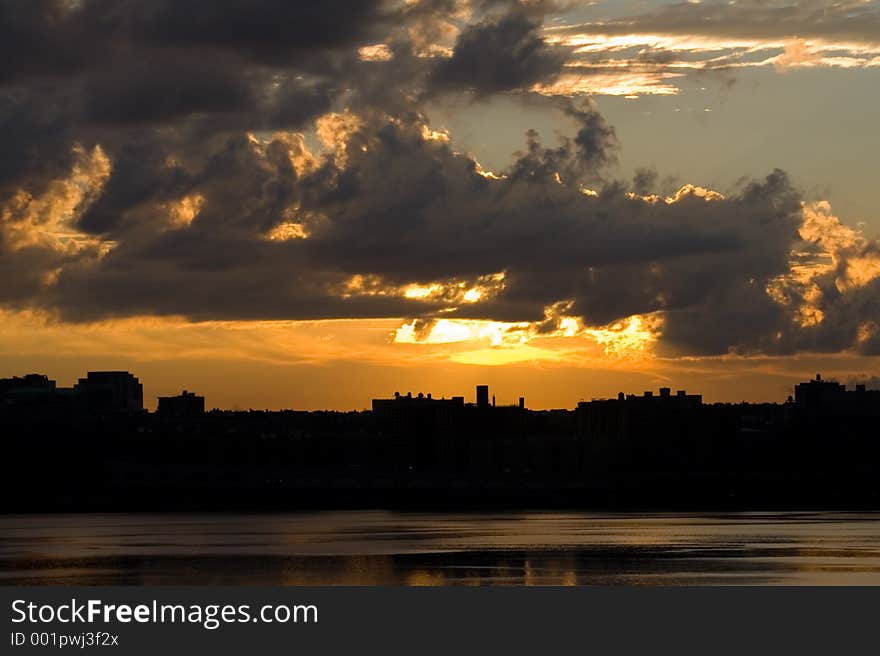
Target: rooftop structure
point(111, 391)
point(185, 404)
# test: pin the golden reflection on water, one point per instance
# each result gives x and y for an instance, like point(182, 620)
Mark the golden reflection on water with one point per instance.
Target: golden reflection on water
point(422, 577)
point(385, 548)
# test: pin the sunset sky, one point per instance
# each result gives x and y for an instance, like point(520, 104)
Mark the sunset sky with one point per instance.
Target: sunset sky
point(309, 204)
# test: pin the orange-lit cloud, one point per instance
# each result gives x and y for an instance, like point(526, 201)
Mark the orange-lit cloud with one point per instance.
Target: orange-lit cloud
point(683, 192)
point(624, 83)
point(642, 63)
point(335, 129)
point(449, 292)
point(376, 52)
point(839, 253)
point(852, 256)
point(796, 53)
point(286, 231)
point(47, 220)
point(182, 212)
point(629, 339)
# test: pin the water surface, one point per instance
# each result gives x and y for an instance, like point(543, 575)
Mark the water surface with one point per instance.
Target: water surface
point(381, 548)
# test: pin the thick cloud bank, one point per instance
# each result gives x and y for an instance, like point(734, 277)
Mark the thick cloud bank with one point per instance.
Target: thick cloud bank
point(154, 164)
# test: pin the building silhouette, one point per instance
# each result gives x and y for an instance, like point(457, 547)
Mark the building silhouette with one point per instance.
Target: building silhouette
point(185, 404)
point(37, 393)
point(818, 399)
point(408, 414)
point(25, 388)
point(818, 393)
point(111, 391)
point(629, 415)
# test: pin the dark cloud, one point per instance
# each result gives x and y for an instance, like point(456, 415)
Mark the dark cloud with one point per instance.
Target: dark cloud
point(41, 37)
point(37, 136)
point(501, 54)
point(269, 31)
point(578, 160)
point(644, 180)
point(196, 110)
point(81, 72)
point(405, 209)
point(141, 174)
point(161, 87)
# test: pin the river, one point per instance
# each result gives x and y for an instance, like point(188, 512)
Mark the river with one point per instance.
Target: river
point(417, 548)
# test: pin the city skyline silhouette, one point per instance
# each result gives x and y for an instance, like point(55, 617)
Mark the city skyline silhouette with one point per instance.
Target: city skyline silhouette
point(94, 446)
point(31, 384)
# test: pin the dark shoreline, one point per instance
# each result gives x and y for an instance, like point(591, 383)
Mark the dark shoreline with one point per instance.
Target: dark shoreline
point(319, 500)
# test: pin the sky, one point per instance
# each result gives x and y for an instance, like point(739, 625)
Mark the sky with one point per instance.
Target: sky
point(311, 204)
